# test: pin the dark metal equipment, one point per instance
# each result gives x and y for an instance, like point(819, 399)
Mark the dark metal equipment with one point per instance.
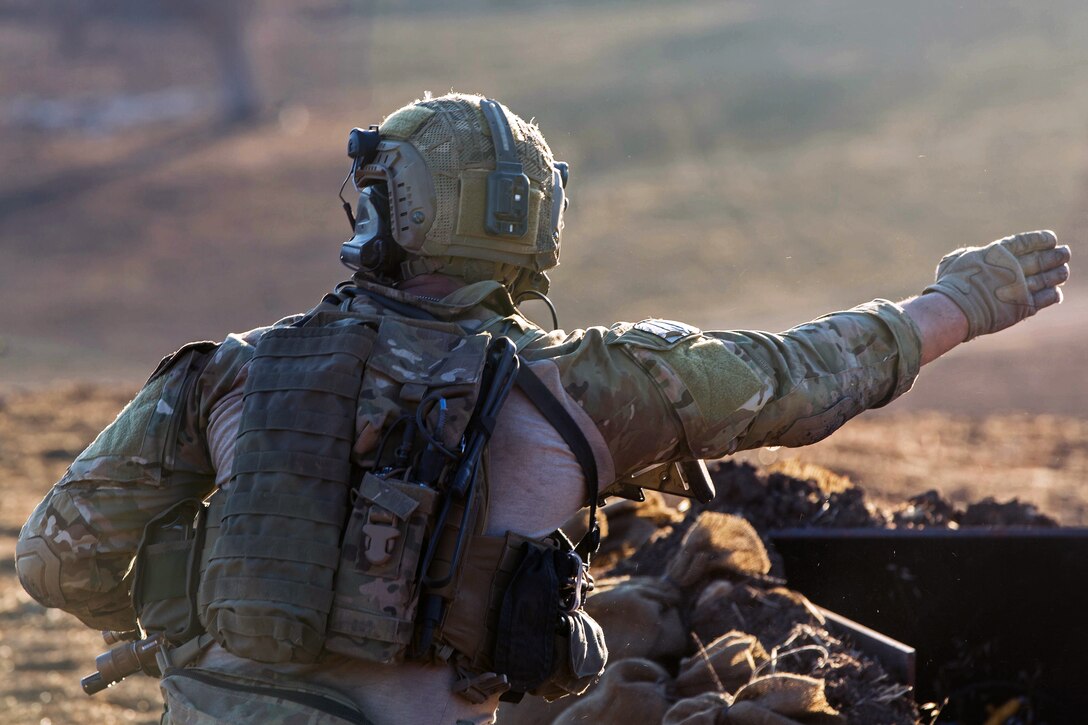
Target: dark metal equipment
point(126, 659)
point(996, 614)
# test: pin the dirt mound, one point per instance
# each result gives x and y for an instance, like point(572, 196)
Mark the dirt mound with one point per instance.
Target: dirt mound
point(791, 494)
point(724, 642)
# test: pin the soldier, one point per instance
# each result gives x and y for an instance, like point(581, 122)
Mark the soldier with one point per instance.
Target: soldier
point(348, 516)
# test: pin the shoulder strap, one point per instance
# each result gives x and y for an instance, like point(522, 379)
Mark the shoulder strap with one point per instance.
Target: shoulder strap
point(554, 412)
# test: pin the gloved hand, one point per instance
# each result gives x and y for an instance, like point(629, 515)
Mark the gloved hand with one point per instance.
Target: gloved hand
point(1000, 284)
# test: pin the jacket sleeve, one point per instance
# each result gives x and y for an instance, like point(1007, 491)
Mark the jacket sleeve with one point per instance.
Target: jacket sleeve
point(660, 391)
point(76, 550)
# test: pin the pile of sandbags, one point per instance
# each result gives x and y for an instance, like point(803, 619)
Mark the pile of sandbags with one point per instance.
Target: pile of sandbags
point(700, 628)
point(713, 638)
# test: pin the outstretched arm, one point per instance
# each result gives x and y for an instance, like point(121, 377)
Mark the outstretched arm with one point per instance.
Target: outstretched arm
point(829, 370)
point(713, 393)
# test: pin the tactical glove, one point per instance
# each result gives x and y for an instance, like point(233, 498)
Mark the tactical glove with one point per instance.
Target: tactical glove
point(1000, 284)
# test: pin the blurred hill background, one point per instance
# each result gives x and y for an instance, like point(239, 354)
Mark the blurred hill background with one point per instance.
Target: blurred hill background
point(170, 170)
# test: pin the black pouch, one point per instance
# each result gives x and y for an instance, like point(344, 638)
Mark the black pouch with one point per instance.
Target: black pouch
point(528, 620)
point(546, 643)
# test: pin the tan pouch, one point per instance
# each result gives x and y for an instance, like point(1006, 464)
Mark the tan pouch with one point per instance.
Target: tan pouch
point(486, 569)
point(377, 583)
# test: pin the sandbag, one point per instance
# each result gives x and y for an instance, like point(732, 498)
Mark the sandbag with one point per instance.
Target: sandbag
point(718, 544)
point(631, 524)
point(640, 617)
point(631, 691)
point(734, 657)
point(709, 708)
point(792, 698)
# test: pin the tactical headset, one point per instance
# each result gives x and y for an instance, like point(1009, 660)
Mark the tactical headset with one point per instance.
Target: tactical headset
point(374, 248)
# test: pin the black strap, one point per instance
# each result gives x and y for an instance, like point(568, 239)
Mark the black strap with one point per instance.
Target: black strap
point(308, 699)
point(554, 412)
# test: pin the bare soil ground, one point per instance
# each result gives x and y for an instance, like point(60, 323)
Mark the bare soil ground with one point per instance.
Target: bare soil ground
point(43, 654)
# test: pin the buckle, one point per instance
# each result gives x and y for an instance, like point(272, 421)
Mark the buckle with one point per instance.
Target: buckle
point(380, 536)
point(574, 589)
point(482, 687)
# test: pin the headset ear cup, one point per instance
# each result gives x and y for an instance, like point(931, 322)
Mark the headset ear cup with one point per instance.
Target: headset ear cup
point(390, 256)
point(373, 249)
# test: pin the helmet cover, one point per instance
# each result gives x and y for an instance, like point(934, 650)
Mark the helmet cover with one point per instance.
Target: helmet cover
point(435, 156)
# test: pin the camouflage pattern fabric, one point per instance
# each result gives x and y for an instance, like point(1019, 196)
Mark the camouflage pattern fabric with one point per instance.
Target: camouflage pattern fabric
point(709, 394)
point(452, 137)
point(652, 393)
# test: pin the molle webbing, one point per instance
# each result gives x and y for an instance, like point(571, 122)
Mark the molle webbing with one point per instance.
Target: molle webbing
point(267, 589)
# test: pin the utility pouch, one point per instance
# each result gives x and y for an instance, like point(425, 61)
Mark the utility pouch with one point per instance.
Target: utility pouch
point(377, 583)
point(524, 649)
point(268, 586)
point(581, 655)
point(165, 573)
point(471, 617)
point(546, 643)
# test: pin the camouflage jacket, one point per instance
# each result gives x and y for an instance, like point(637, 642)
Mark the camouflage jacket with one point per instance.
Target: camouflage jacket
point(653, 391)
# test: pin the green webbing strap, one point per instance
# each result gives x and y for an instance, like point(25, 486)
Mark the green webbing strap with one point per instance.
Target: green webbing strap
point(319, 342)
point(186, 653)
point(293, 462)
point(306, 421)
point(313, 381)
point(276, 547)
point(385, 629)
point(284, 504)
point(317, 598)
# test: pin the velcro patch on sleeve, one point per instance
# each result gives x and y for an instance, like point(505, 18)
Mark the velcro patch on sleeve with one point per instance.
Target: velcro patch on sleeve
point(668, 330)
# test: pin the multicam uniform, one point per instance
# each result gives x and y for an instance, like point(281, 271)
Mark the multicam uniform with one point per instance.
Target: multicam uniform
point(642, 393)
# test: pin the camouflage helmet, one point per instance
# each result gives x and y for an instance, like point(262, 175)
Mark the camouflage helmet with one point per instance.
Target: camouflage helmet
point(439, 159)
